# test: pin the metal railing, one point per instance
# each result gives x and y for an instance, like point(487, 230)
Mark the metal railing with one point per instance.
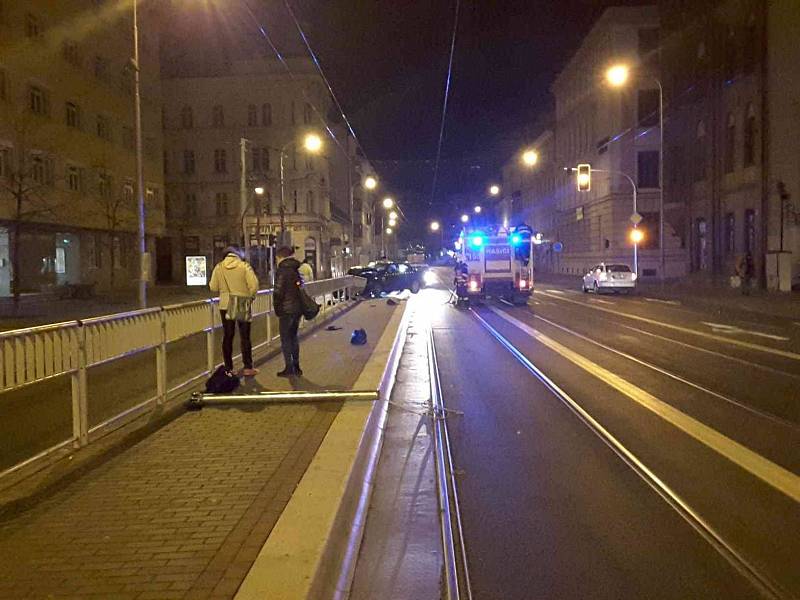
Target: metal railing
point(167, 337)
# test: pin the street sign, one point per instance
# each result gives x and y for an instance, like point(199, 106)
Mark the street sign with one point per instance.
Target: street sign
point(558, 247)
point(636, 218)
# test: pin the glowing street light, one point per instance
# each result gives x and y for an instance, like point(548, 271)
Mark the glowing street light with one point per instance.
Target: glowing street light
point(494, 190)
point(392, 222)
point(637, 236)
point(617, 76)
point(435, 226)
point(388, 231)
point(530, 157)
point(393, 215)
point(259, 191)
point(465, 218)
point(477, 210)
point(388, 203)
point(313, 143)
point(370, 182)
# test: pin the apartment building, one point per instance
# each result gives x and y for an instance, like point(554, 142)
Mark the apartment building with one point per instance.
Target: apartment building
point(67, 156)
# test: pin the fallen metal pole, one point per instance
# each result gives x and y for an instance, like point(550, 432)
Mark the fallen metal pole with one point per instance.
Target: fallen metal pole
point(199, 399)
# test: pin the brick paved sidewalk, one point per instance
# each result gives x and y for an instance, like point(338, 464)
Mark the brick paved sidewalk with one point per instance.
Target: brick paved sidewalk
point(184, 512)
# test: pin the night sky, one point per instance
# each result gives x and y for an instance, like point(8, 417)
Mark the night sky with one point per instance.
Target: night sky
point(387, 60)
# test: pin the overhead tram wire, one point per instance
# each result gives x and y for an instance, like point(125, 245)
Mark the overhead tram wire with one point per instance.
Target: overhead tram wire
point(444, 103)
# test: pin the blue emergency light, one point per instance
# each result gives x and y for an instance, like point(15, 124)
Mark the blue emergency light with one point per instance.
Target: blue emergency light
point(516, 239)
point(476, 241)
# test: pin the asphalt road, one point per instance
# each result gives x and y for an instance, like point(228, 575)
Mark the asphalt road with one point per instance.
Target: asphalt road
point(690, 490)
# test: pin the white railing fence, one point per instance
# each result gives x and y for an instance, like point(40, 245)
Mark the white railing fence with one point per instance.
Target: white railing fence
point(165, 341)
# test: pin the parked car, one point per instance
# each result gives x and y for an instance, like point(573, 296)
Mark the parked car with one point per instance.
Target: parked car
point(615, 277)
point(384, 277)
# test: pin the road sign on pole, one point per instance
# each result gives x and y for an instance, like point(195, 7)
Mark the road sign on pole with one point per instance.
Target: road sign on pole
point(636, 218)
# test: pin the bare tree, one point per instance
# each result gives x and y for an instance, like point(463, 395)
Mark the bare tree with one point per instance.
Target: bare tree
point(27, 180)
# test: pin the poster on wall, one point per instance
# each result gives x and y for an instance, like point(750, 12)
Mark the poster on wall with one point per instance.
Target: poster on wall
point(196, 273)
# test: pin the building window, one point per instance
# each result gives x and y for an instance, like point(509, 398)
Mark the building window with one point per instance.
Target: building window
point(751, 46)
point(165, 160)
point(190, 207)
point(103, 128)
point(3, 85)
point(104, 185)
point(648, 108)
point(74, 179)
point(128, 141)
point(294, 202)
point(100, 67)
point(294, 159)
point(729, 160)
point(730, 233)
point(187, 117)
point(5, 161)
point(648, 169)
point(188, 162)
point(700, 153)
point(221, 201)
point(117, 248)
point(261, 160)
point(648, 41)
point(266, 114)
point(127, 192)
point(307, 113)
point(71, 53)
point(150, 147)
point(730, 56)
point(38, 171)
point(750, 231)
point(73, 115)
point(292, 117)
point(220, 161)
point(750, 136)
point(252, 115)
point(309, 162)
point(310, 202)
point(33, 26)
point(37, 100)
point(217, 116)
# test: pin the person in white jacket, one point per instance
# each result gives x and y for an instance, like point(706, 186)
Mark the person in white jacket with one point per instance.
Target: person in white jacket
point(234, 276)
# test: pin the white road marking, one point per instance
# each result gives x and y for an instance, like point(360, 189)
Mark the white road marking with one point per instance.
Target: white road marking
point(733, 330)
point(671, 302)
point(601, 301)
point(779, 478)
point(703, 334)
point(555, 291)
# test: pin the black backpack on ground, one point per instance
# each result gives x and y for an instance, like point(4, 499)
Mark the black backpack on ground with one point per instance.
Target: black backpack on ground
point(222, 381)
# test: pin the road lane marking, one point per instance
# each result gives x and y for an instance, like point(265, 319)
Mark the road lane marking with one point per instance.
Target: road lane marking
point(733, 330)
point(671, 375)
point(703, 334)
point(670, 302)
point(601, 301)
point(555, 291)
point(776, 476)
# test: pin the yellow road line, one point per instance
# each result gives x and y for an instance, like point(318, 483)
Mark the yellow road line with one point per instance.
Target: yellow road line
point(779, 478)
point(703, 334)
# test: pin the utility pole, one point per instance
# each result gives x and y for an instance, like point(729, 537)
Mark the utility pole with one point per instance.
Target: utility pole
point(144, 257)
point(243, 188)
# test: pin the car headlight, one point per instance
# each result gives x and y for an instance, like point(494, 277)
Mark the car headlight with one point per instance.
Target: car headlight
point(429, 277)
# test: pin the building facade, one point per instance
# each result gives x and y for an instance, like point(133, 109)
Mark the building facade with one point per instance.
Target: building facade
point(225, 138)
point(733, 88)
point(67, 153)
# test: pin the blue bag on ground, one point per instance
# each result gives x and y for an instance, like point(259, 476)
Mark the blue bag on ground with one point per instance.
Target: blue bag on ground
point(358, 337)
point(222, 381)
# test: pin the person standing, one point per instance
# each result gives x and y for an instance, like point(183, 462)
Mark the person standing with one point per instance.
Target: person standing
point(234, 277)
point(289, 309)
point(306, 270)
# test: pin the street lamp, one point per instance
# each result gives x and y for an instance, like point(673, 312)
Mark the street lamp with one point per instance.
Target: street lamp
point(393, 215)
point(494, 189)
point(388, 203)
point(313, 145)
point(370, 183)
point(617, 76)
point(388, 231)
point(465, 218)
point(477, 210)
point(137, 110)
point(435, 226)
point(392, 222)
point(530, 157)
point(259, 191)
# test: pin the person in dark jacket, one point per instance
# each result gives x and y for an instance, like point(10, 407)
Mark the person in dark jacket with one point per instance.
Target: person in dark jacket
point(289, 308)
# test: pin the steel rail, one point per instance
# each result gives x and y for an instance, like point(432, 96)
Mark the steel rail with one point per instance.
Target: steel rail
point(457, 580)
point(200, 399)
point(761, 582)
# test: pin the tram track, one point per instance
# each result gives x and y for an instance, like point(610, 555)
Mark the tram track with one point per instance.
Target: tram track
point(760, 581)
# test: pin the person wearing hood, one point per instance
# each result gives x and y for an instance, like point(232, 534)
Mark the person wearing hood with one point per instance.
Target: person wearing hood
point(289, 308)
point(234, 277)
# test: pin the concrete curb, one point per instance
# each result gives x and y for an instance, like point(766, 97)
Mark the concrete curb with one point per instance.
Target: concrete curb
point(312, 550)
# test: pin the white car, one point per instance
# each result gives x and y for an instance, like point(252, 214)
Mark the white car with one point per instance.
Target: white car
point(612, 277)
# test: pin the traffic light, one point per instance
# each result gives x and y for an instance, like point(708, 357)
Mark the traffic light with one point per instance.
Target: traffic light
point(584, 178)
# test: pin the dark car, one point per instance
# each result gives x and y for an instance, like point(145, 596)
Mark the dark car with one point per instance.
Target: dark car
point(384, 277)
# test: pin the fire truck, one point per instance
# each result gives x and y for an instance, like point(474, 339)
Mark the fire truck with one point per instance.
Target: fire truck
point(495, 263)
